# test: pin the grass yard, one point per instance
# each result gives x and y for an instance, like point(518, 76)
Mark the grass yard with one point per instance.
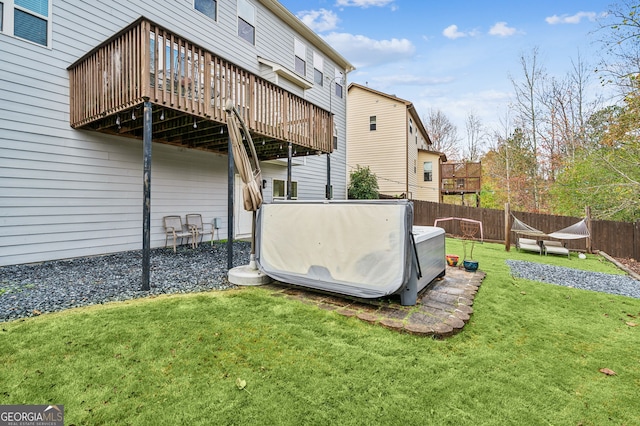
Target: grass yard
point(531, 354)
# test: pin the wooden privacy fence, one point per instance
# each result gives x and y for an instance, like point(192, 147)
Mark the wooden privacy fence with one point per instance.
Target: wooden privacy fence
point(618, 239)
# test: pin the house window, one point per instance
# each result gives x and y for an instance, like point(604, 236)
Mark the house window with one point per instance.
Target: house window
point(427, 167)
point(338, 84)
point(318, 77)
point(27, 19)
point(372, 123)
point(300, 51)
point(318, 65)
point(207, 7)
point(410, 126)
point(280, 190)
point(247, 21)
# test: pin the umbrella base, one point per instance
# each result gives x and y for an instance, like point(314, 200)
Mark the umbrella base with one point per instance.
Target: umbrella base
point(247, 275)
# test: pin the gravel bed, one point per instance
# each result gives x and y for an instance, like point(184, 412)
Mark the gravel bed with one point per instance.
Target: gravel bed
point(34, 289)
point(622, 285)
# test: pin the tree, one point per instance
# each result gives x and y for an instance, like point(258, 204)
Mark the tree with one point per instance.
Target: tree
point(606, 173)
point(527, 112)
point(620, 29)
point(363, 185)
point(506, 173)
point(475, 137)
point(443, 133)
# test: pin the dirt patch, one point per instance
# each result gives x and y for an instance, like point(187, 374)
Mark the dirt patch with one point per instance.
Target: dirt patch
point(629, 263)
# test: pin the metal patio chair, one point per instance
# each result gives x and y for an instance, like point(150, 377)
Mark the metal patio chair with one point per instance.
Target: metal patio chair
point(195, 225)
point(173, 228)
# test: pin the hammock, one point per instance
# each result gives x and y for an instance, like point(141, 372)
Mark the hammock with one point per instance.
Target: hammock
point(520, 227)
point(573, 232)
point(576, 231)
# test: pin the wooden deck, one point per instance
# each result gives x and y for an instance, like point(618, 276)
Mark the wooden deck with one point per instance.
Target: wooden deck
point(188, 87)
point(460, 178)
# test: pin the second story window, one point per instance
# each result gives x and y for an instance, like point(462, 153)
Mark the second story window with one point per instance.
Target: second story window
point(318, 65)
point(206, 7)
point(300, 51)
point(338, 83)
point(372, 123)
point(247, 21)
point(428, 171)
point(27, 19)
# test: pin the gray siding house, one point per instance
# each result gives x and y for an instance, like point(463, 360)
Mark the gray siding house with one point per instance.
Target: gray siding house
point(82, 83)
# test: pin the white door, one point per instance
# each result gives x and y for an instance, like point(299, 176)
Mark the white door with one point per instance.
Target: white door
point(242, 218)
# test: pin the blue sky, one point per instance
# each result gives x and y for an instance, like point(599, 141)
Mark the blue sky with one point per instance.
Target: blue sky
point(458, 55)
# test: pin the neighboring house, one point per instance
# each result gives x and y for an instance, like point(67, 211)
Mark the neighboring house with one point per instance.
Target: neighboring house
point(385, 133)
point(84, 87)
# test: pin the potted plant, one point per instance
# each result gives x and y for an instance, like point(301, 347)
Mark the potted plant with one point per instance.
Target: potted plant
point(469, 264)
point(452, 259)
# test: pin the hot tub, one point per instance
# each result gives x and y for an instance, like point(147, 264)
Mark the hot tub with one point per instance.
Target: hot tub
point(364, 249)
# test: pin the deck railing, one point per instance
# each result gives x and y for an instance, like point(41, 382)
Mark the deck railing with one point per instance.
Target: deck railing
point(460, 177)
point(145, 60)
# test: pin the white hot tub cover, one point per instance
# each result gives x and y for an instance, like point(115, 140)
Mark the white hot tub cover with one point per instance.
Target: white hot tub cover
point(358, 248)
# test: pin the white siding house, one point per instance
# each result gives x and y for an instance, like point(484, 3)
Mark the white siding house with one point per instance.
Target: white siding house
point(74, 187)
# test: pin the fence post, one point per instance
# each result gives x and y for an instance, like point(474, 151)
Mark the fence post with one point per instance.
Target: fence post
point(507, 227)
point(587, 214)
point(636, 240)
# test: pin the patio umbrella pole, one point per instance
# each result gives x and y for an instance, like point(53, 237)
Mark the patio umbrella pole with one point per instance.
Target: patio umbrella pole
point(251, 191)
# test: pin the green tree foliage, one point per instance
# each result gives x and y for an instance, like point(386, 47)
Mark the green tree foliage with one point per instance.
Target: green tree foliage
point(363, 184)
point(606, 173)
point(507, 173)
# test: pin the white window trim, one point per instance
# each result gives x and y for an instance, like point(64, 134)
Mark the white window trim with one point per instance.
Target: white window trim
point(318, 65)
point(338, 81)
point(273, 181)
point(300, 51)
point(8, 25)
point(247, 12)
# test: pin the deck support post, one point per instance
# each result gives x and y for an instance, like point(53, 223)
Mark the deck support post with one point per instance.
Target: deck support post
point(328, 191)
point(289, 161)
point(230, 179)
point(147, 135)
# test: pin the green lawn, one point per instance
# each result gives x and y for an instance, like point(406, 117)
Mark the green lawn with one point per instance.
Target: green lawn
point(530, 354)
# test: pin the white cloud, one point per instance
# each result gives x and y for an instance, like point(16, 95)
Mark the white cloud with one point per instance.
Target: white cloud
point(363, 3)
point(571, 19)
point(363, 51)
point(452, 32)
point(319, 20)
point(501, 29)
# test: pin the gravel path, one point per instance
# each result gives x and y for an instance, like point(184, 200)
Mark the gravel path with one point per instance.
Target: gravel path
point(596, 281)
point(29, 290)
